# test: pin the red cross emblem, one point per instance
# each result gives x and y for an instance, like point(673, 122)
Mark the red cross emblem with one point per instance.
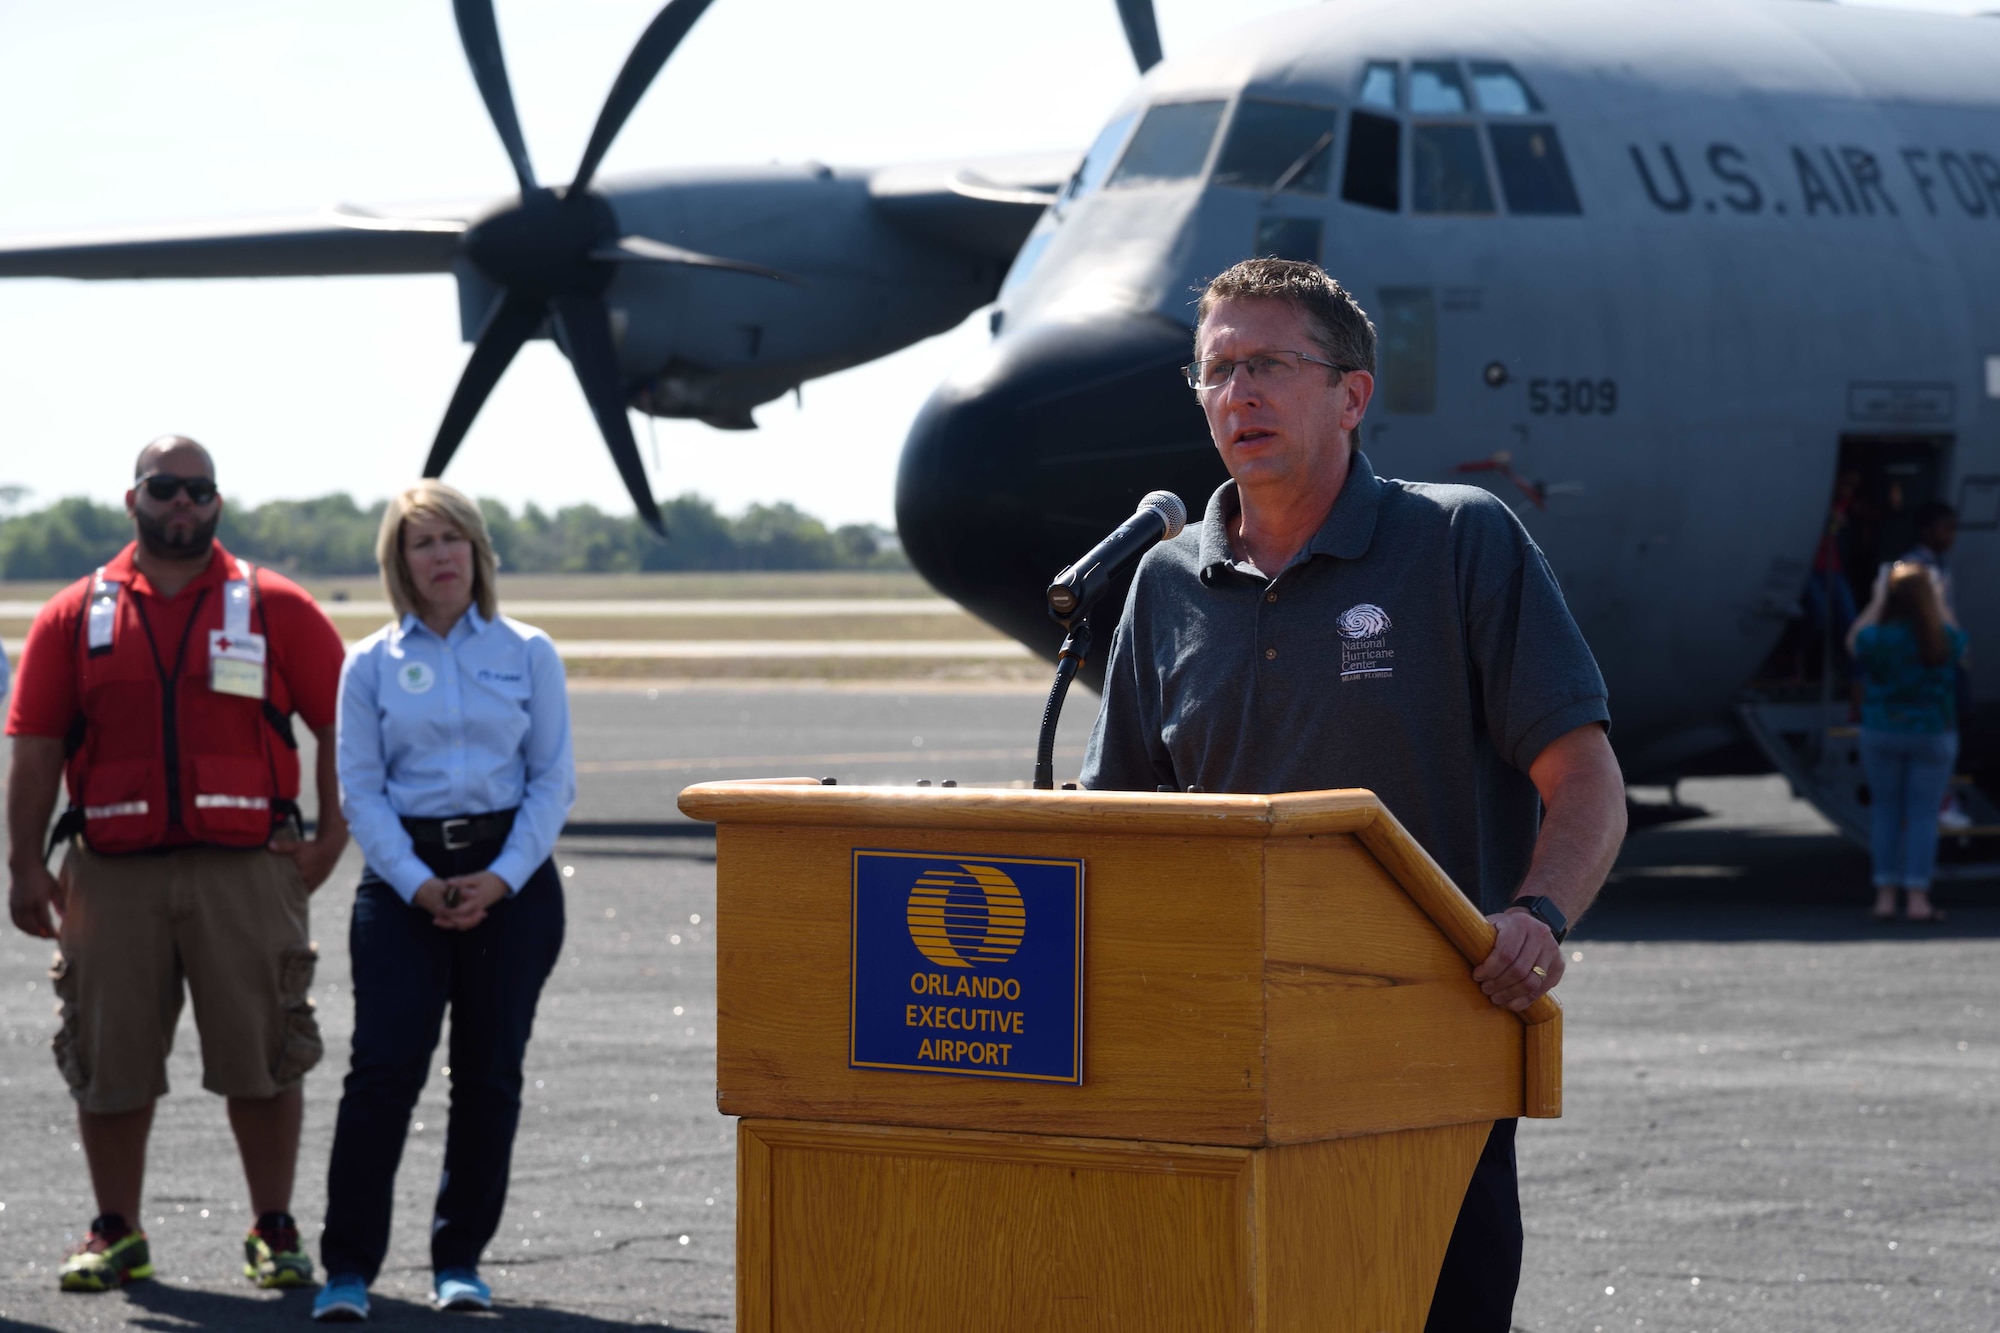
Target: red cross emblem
point(224, 643)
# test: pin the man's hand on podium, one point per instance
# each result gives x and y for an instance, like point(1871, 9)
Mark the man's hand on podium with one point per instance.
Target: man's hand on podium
point(1525, 963)
point(1583, 823)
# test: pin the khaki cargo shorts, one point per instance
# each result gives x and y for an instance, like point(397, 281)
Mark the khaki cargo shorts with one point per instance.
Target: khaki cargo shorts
point(230, 924)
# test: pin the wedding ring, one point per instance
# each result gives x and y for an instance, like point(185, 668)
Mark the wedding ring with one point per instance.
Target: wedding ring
point(1540, 972)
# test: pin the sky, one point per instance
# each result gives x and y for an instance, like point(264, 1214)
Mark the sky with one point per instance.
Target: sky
point(128, 112)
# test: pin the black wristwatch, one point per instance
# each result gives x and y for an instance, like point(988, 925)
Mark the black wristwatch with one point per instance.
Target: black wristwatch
point(1545, 911)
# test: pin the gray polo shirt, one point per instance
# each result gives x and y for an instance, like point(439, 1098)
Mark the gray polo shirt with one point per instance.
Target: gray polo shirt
point(1418, 647)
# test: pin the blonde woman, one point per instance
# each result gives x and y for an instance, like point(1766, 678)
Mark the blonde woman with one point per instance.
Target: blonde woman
point(1909, 649)
point(456, 777)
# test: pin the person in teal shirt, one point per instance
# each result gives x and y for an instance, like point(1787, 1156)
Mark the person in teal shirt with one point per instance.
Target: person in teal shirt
point(1909, 649)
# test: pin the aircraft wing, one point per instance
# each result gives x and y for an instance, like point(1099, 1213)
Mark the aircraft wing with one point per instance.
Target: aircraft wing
point(980, 206)
point(337, 242)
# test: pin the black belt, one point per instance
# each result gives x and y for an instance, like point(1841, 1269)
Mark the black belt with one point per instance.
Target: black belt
point(459, 832)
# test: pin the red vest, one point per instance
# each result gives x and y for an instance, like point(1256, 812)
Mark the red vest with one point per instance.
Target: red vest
point(159, 757)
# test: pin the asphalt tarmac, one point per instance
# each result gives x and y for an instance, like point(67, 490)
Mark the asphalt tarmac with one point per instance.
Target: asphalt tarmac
point(1779, 1115)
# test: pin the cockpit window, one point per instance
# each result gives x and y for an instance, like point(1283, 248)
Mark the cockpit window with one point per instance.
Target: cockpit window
point(1450, 123)
point(1171, 144)
point(1374, 161)
point(1437, 88)
point(1533, 173)
point(1501, 91)
point(1276, 146)
point(1098, 160)
point(1378, 85)
point(1448, 170)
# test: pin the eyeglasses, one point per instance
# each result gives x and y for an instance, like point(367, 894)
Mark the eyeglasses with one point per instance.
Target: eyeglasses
point(1215, 371)
point(164, 486)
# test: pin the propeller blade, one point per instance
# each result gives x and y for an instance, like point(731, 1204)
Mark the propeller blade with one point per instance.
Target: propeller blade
point(655, 44)
point(364, 219)
point(512, 323)
point(1142, 32)
point(646, 250)
point(585, 326)
point(479, 34)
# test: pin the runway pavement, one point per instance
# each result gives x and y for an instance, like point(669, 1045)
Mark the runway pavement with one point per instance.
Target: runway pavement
point(1779, 1116)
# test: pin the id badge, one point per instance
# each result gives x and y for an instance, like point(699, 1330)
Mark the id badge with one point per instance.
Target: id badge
point(236, 663)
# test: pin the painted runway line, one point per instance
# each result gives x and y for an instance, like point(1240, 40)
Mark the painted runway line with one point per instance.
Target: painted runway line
point(641, 608)
point(753, 649)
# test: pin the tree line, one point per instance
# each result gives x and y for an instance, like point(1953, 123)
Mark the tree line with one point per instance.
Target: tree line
point(334, 535)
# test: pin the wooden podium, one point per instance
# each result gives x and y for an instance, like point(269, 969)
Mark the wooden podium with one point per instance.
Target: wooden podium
point(1287, 1072)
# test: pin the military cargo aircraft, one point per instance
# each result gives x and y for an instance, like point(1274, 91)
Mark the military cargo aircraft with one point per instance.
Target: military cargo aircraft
point(1661, 274)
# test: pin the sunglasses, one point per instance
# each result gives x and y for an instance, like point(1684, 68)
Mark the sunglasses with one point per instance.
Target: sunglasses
point(164, 486)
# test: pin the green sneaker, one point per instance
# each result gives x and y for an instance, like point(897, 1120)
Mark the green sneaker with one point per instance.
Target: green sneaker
point(110, 1256)
point(272, 1256)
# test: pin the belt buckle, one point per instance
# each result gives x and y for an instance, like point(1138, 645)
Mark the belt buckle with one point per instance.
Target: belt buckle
point(451, 830)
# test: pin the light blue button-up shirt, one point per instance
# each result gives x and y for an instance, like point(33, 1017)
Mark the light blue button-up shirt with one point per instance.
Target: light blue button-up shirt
point(472, 723)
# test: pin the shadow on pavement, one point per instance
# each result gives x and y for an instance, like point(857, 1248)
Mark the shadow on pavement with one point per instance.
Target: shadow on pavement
point(1686, 882)
point(163, 1307)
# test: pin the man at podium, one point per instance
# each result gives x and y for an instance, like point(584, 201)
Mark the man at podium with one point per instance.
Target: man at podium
point(1324, 627)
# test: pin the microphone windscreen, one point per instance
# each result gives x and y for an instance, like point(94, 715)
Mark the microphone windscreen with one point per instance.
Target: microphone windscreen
point(1170, 509)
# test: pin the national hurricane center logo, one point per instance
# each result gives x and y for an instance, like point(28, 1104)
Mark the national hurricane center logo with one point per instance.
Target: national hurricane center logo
point(966, 916)
point(1363, 621)
point(1365, 653)
point(967, 964)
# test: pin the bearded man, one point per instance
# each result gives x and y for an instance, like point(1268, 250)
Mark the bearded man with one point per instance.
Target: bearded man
point(163, 687)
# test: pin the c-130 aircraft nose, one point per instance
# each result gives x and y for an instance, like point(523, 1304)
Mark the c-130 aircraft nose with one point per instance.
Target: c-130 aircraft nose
point(1030, 453)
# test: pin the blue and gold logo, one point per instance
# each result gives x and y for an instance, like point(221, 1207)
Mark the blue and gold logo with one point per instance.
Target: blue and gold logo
point(968, 964)
point(966, 915)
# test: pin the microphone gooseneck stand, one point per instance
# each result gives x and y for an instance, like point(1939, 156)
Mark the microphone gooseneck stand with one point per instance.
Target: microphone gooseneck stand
point(1159, 517)
point(1075, 648)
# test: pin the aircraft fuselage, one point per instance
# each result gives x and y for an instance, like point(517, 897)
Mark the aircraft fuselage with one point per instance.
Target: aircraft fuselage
point(1780, 233)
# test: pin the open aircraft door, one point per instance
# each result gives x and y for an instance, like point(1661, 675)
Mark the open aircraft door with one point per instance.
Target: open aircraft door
point(1802, 712)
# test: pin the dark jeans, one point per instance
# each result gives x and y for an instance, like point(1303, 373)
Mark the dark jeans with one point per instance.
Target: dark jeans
point(406, 972)
point(1482, 1265)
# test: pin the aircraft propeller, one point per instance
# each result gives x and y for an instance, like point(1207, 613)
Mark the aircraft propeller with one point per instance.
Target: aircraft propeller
point(555, 252)
point(1142, 32)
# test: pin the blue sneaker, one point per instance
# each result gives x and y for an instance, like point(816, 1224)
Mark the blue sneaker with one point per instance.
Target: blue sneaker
point(461, 1289)
point(343, 1300)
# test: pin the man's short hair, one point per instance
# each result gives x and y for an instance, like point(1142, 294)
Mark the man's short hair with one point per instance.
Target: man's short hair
point(1335, 321)
point(165, 443)
point(1930, 512)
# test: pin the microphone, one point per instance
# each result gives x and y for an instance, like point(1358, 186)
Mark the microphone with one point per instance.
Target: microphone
point(1160, 517)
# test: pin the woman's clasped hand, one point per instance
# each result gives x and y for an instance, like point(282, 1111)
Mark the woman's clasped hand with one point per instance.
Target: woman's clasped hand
point(461, 902)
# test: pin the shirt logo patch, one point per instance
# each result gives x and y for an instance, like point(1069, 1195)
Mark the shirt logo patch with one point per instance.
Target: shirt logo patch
point(416, 677)
point(1365, 621)
point(489, 675)
point(1365, 653)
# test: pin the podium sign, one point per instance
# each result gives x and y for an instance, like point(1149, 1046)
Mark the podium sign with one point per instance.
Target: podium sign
point(969, 964)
